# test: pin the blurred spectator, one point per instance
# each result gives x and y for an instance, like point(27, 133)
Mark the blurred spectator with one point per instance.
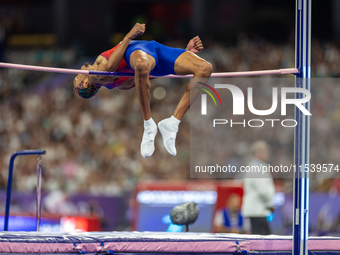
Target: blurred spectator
point(229, 219)
point(259, 191)
point(57, 202)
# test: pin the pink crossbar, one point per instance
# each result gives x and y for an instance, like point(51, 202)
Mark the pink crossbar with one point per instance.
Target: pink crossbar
point(76, 71)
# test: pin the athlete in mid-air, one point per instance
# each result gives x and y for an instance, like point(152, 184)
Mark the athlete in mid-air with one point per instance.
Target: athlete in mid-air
point(144, 58)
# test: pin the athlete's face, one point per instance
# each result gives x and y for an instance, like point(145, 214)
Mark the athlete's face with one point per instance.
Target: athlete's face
point(83, 87)
point(82, 84)
point(82, 81)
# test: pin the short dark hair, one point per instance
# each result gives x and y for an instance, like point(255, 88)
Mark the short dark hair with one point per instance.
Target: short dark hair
point(86, 93)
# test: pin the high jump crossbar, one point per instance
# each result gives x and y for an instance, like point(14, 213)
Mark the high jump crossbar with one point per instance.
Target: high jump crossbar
point(89, 72)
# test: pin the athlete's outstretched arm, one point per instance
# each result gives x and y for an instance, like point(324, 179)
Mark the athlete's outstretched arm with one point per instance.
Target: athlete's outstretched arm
point(118, 54)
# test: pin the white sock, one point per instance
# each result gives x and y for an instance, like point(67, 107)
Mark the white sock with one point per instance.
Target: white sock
point(147, 146)
point(169, 128)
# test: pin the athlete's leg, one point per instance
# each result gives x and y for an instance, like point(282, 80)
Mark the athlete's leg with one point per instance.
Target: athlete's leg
point(190, 63)
point(186, 63)
point(143, 63)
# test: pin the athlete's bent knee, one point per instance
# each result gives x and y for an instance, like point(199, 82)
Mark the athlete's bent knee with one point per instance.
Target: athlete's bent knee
point(207, 69)
point(142, 66)
point(204, 70)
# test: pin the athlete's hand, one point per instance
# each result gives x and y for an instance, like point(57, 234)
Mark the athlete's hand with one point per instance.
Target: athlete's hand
point(195, 45)
point(137, 29)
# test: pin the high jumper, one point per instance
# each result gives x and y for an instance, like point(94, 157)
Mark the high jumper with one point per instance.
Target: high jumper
point(144, 58)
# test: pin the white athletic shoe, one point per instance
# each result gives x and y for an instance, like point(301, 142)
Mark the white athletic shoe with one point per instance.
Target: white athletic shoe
point(147, 146)
point(169, 128)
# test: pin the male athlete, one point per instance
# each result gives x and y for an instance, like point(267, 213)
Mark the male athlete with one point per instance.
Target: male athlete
point(144, 58)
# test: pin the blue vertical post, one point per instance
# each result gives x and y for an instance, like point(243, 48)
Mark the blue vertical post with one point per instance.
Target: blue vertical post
point(302, 130)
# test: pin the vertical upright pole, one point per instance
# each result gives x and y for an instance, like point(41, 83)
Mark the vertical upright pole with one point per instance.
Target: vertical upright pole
point(302, 130)
point(9, 191)
point(39, 174)
point(10, 177)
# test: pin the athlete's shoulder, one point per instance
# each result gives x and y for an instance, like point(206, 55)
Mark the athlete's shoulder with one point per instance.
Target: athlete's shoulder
point(107, 54)
point(100, 60)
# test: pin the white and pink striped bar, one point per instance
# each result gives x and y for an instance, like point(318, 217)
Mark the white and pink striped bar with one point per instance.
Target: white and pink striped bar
point(77, 71)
